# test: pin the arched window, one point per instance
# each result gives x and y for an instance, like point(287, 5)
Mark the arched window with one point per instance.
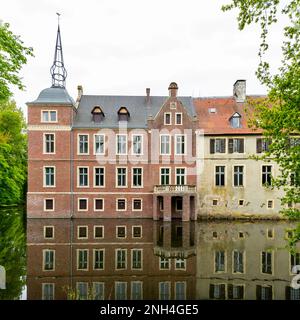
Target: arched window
point(123, 114)
point(97, 114)
point(235, 120)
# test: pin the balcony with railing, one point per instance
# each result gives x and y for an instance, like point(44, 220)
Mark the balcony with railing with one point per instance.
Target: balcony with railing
point(186, 188)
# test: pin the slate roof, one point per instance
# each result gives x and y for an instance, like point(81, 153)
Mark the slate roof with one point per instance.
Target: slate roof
point(137, 106)
point(54, 95)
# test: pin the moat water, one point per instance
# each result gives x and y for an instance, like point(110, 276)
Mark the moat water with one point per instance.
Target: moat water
point(144, 259)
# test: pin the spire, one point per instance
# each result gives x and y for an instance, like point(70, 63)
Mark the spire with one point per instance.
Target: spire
point(58, 71)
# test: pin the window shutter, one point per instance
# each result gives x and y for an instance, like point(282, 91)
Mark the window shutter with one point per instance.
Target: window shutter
point(241, 146)
point(230, 291)
point(223, 295)
point(223, 146)
point(241, 292)
point(287, 293)
point(230, 145)
point(258, 292)
point(211, 291)
point(258, 145)
point(212, 145)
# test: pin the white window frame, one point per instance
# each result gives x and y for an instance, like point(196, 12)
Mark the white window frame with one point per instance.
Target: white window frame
point(244, 175)
point(160, 263)
point(78, 144)
point(165, 123)
point(225, 173)
point(261, 173)
point(244, 260)
point(103, 250)
point(185, 171)
point(268, 204)
point(94, 176)
point(103, 285)
point(142, 144)
point(131, 291)
point(95, 204)
point(178, 113)
point(44, 177)
point(132, 232)
point(125, 283)
point(44, 143)
point(175, 263)
point(177, 282)
point(78, 204)
point(44, 256)
point(272, 262)
point(78, 176)
point(170, 175)
point(104, 144)
point(175, 144)
point(126, 177)
point(225, 262)
point(43, 291)
point(117, 204)
point(42, 111)
point(132, 204)
point(77, 288)
point(49, 210)
point(160, 144)
point(53, 232)
point(142, 176)
point(94, 231)
point(77, 259)
point(116, 258)
point(122, 226)
point(87, 232)
point(142, 254)
point(126, 144)
point(159, 289)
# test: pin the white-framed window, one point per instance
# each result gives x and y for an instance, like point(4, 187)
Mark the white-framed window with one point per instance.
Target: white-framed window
point(180, 264)
point(220, 261)
point(48, 291)
point(98, 259)
point(266, 175)
point(82, 204)
point(137, 204)
point(217, 145)
point(99, 177)
point(164, 263)
point(136, 232)
point(267, 262)
point(220, 176)
point(137, 144)
point(180, 176)
point(136, 290)
point(238, 261)
point(264, 292)
point(167, 118)
point(121, 259)
point(236, 145)
point(270, 204)
point(82, 290)
point(217, 291)
point(180, 144)
point(49, 176)
point(49, 143)
point(178, 118)
point(98, 204)
point(121, 204)
point(165, 144)
point(121, 290)
point(121, 177)
point(48, 260)
point(164, 290)
point(83, 177)
point(137, 177)
point(98, 290)
point(121, 144)
point(165, 174)
point(49, 116)
point(98, 232)
point(82, 232)
point(49, 204)
point(236, 291)
point(82, 259)
point(238, 176)
point(180, 290)
point(83, 144)
point(121, 232)
point(99, 144)
point(49, 232)
point(136, 259)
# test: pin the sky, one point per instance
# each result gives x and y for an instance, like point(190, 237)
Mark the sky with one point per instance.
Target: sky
point(121, 47)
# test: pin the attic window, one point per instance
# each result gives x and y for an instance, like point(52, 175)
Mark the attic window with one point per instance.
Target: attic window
point(97, 114)
point(123, 114)
point(212, 110)
point(235, 120)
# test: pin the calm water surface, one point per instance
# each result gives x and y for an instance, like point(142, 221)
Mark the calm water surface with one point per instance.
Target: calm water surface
point(145, 259)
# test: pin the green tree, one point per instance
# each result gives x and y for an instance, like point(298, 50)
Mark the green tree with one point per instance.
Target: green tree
point(13, 154)
point(279, 113)
point(13, 55)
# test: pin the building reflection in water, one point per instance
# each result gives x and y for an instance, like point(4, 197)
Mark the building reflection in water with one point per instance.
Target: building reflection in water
point(145, 259)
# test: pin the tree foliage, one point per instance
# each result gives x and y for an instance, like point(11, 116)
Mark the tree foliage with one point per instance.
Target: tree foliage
point(279, 113)
point(13, 154)
point(13, 55)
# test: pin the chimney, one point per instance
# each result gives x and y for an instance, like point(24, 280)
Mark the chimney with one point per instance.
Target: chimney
point(173, 88)
point(239, 91)
point(147, 94)
point(80, 93)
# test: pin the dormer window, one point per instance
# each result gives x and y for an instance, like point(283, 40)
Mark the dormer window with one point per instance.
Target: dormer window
point(97, 114)
point(123, 114)
point(235, 120)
